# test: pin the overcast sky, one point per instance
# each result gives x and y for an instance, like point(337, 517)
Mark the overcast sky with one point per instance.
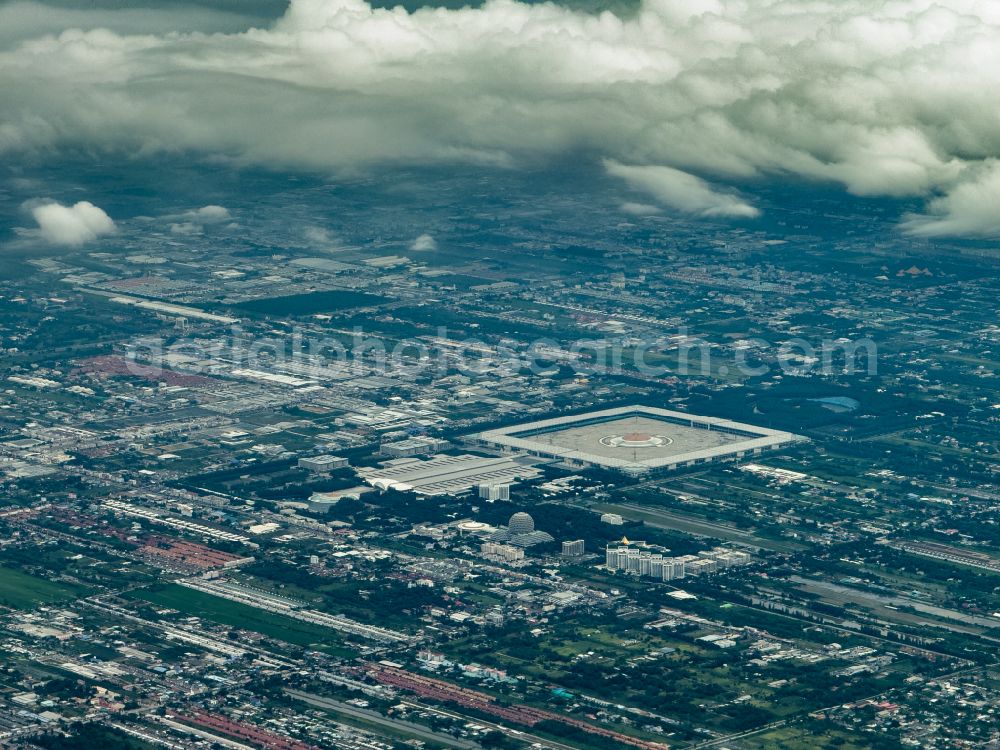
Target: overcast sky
point(680, 99)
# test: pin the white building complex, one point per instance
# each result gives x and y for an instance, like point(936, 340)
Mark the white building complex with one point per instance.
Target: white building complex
point(505, 553)
point(446, 475)
point(641, 561)
point(634, 439)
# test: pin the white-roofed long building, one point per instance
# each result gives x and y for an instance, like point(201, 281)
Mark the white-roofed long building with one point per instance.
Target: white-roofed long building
point(447, 475)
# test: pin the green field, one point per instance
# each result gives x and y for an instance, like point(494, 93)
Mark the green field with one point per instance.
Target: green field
point(22, 591)
point(237, 615)
point(88, 736)
point(801, 738)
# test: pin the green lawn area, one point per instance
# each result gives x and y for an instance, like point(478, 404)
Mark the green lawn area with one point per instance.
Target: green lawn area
point(22, 591)
point(234, 614)
point(89, 736)
point(801, 738)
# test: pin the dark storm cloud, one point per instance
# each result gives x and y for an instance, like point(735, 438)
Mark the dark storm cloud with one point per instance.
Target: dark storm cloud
point(25, 19)
point(883, 97)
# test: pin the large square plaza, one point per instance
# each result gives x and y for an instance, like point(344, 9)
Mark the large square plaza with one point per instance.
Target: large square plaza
point(635, 439)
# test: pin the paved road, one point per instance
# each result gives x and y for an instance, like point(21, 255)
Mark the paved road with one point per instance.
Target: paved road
point(665, 519)
point(857, 596)
point(373, 717)
point(517, 734)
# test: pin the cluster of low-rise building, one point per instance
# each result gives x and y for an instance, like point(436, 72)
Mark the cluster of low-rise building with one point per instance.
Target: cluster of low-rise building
point(499, 552)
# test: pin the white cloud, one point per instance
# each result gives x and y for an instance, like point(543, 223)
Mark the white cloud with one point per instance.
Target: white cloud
point(208, 215)
point(883, 98)
point(682, 191)
point(971, 208)
point(70, 226)
point(424, 242)
point(195, 221)
point(640, 209)
point(320, 237)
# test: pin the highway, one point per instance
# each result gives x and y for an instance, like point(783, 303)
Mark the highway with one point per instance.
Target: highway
point(668, 520)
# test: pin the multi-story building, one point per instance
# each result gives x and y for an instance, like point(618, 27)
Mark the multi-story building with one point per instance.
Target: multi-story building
point(639, 560)
point(505, 553)
point(666, 568)
point(643, 562)
point(493, 492)
point(323, 463)
point(414, 446)
point(573, 548)
point(701, 566)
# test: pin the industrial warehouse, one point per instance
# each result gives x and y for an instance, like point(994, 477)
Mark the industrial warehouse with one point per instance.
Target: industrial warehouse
point(634, 439)
point(447, 475)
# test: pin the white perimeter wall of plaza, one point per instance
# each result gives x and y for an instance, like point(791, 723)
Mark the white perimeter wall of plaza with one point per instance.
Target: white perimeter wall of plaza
point(742, 440)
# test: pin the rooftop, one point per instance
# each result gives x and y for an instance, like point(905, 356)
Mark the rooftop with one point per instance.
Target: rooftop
point(635, 438)
point(446, 475)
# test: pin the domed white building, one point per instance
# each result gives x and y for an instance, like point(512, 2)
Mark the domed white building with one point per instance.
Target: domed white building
point(520, 523)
